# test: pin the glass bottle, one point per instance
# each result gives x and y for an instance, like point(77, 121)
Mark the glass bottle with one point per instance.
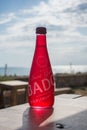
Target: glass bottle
point(41, 82)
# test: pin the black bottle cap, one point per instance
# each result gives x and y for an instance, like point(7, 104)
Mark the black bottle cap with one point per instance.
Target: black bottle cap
point(41, 30)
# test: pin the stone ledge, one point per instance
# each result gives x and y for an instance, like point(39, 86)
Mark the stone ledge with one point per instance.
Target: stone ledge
point(62, 90)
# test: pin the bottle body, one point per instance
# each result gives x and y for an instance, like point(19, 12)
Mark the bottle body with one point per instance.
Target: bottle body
point(41, 82)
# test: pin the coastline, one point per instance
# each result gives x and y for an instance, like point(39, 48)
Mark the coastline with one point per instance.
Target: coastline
point(24, 71)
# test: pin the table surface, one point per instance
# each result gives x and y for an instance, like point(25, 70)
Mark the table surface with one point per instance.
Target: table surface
point(14, 83)
point(69, 110)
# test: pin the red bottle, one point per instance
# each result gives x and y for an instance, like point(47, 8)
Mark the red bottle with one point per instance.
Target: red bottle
point(41, 82)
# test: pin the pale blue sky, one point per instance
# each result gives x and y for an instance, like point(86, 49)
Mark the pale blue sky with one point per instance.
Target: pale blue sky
point(66, 23)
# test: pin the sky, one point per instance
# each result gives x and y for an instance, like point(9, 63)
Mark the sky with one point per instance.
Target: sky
point(66, 23)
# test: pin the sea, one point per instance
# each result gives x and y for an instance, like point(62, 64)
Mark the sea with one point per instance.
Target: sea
point(24, 71)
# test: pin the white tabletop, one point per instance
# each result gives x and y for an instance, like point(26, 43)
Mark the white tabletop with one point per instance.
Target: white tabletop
point(69, 110)
point(14, 83)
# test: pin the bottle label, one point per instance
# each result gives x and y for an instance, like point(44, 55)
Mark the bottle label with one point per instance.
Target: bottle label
point(40, 89)
point(45, 86)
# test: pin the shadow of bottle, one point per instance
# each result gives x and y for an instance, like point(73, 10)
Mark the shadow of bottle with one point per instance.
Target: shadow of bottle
point(36, 118)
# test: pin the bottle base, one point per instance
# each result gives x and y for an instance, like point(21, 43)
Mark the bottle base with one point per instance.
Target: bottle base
point(38, 107)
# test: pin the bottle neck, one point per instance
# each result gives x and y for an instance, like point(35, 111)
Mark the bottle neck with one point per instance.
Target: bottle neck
point(40, 40)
